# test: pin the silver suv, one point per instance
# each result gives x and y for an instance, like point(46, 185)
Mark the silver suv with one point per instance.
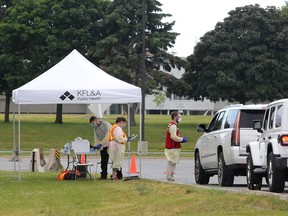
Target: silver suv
point(221, 149)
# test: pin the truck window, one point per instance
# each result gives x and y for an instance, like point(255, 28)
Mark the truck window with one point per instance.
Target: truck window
point(266, 119)
point(279, 116)
point(271, 119)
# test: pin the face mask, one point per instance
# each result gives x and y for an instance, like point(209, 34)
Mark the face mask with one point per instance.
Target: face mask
point(94, 125)
point(123, 125)
point(179, 119)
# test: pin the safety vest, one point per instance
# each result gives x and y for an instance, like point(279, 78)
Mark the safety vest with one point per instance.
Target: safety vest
point(111, 137)
point(170, 144)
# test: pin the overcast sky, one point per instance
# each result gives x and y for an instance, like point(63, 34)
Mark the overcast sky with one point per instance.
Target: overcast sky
point(195, 17)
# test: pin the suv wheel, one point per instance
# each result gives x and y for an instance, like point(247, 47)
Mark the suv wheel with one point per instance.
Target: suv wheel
point(275, 176)
point(200, 176)
point(225, 175)
point(254, 180)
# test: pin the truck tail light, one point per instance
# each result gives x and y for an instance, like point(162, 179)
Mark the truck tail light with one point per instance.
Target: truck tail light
point(235, 137)
point(284, 140)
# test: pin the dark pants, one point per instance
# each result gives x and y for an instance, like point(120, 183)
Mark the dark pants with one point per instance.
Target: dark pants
point(119, 174)
point(104, 162)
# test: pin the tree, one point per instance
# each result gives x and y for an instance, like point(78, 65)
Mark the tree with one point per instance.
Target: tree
point(14, 50)
point(75, 25)
point(285, 8)
point(37, 34)
point(243, 59)
point(4, 4)
point(159, 99)
point(119, 52)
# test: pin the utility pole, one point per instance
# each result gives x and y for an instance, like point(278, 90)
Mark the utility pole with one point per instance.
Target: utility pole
point(143, 67)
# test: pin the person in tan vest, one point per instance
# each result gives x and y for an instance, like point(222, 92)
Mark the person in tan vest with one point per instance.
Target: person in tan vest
point(116, 147)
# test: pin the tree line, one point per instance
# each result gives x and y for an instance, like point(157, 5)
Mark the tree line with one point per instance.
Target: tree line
point(36, 34)
point(243, 59)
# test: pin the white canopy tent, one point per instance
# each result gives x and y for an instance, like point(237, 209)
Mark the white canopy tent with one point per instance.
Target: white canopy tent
point(75, 80)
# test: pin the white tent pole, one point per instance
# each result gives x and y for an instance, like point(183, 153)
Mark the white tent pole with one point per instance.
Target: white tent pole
point(128, 135)
point(14, 138)
point(140, 126)
point(140, 132)
point(19, 138)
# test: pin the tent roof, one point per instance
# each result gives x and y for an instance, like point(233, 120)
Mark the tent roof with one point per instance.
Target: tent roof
point(75, 80)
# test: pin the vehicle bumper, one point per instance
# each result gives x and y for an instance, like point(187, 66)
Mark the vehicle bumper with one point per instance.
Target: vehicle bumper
point(233, 156)
point(281, 163)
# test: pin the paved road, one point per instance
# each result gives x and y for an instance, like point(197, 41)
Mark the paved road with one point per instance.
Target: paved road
point(154, 168)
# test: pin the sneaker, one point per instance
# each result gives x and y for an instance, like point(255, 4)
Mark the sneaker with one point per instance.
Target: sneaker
point(171, 179)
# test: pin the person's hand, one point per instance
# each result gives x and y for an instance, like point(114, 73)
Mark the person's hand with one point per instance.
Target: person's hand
point(184, 140)
point(98, 146)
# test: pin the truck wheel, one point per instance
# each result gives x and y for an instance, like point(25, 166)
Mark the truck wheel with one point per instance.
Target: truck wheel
point(275, 176)
point(225, 175)
point(254, 180)
point(200, 176)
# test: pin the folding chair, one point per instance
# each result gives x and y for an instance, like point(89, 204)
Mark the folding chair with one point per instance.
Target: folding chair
point(76, 163)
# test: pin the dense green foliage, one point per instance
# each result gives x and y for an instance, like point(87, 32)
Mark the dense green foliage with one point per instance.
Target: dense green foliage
point(37, 34)
point(120, 51)
point(245, 58)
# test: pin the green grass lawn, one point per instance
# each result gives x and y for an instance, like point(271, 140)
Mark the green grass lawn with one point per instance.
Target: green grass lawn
point(42, 194)
point(39, 131)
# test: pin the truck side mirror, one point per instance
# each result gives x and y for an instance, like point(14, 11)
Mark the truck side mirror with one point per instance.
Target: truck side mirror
point(201, 128)
point(257, 125)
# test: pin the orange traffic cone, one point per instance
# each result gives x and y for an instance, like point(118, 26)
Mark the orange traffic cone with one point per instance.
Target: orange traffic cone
point(83, 159)
point(133, 164)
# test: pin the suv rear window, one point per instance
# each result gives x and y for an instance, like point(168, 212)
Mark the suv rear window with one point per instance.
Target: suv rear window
point(247, 117)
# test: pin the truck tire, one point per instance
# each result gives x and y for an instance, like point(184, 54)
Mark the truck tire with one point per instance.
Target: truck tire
point(200, 176)
point(225, 175)
point(275, 176)
point(254, 180)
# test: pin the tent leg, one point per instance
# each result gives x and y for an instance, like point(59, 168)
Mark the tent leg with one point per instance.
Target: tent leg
point(19, 167)
point(14, 138)
point(129, 135)
point(140, 131)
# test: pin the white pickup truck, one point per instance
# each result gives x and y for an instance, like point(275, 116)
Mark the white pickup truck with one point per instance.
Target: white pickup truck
point(268, 156)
